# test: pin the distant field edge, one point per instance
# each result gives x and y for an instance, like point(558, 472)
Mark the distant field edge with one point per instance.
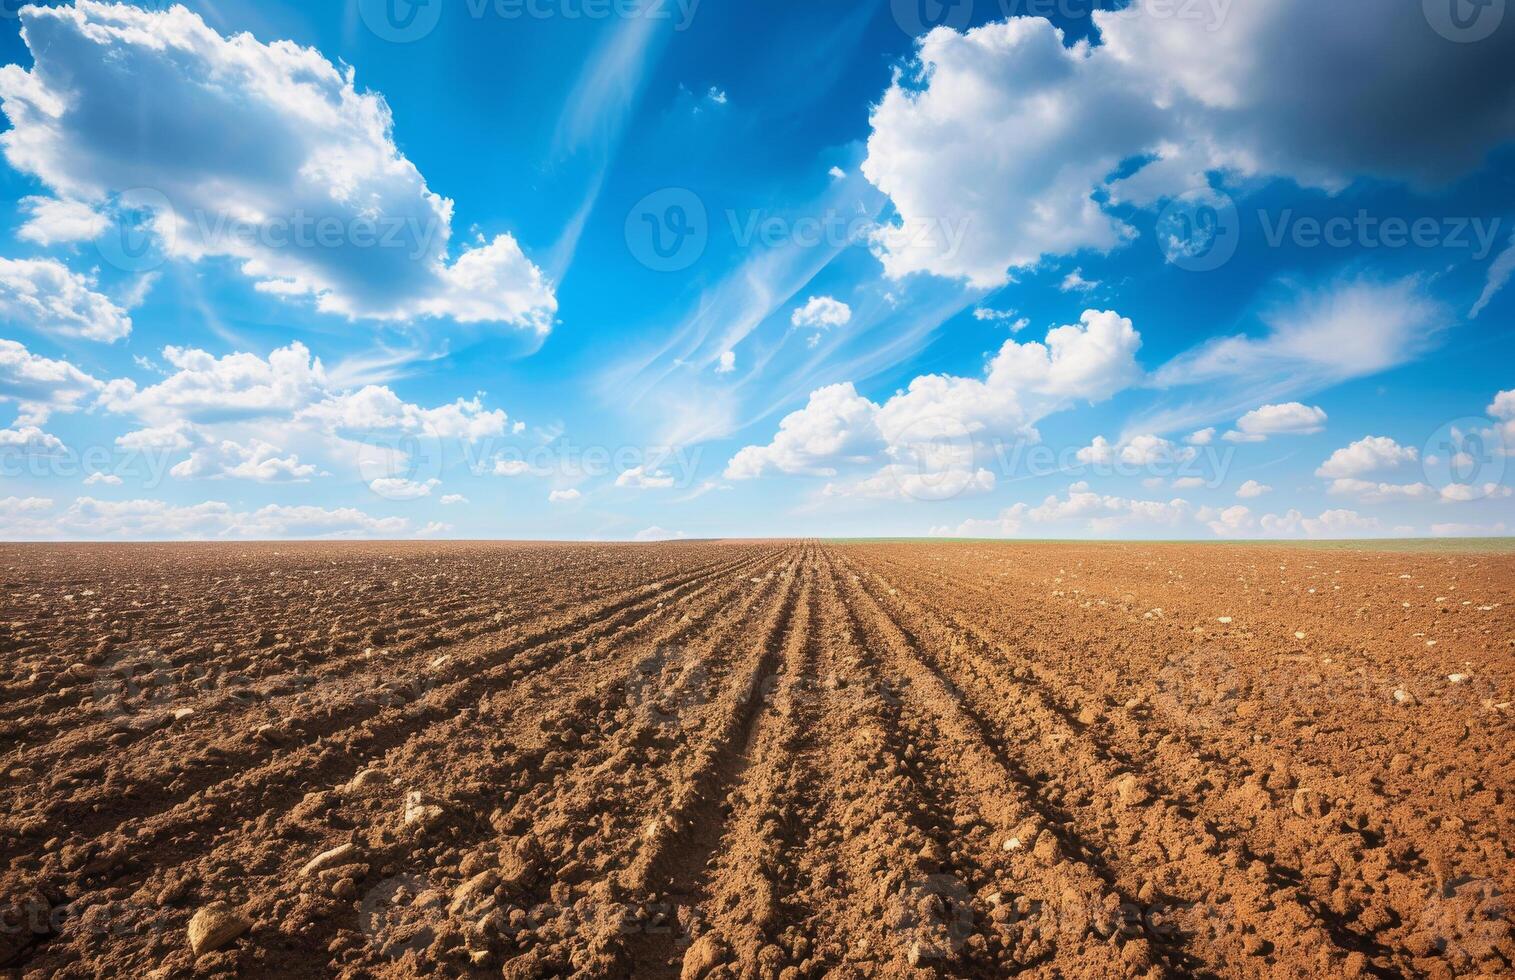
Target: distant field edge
point(1447, 545)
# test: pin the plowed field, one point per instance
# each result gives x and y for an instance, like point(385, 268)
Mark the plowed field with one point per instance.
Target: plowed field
point(757, 759)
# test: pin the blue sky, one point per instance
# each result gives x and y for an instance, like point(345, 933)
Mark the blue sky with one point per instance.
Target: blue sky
point(648, 268)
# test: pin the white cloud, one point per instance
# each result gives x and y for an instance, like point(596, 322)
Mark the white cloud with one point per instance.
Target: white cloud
point(452, 499)
point(1366, 455)
point(1499, 274)
point(1082, 508)
point(236, 385)
point(1017, 324)
point(1469, 530)
point(1010, 134)
point(946, 477)
point(727, 363)
point(1074, 282)
point(836, 173)
point(836, 425)
point(108, 479)
point(91, 519)
point(1201, 438)
point(641, 478)
point(821, 313)
point(564, 496)
point(656, 533)
point(1372, 492)
point(52, 222)
point(1288, 419)
point(399, 488)
point(43, 295)
point(1344, 330)
point(1228, 522)
point(40, 385)
point(29, 440)
point(1101, 452)
point(1150, 450)
point(267, 155)
point(928, 434)
point(1252, 489)
point(1464, 492)
point(1330, 524)
point(1182, 483)
point(257, 462)
point(511, 468)
point(174, 435)
point(1503, 408)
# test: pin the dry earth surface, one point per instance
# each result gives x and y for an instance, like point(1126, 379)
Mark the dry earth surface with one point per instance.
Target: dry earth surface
point(755, 759)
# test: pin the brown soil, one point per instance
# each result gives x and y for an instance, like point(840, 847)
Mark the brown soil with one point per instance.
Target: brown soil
point(755, 760)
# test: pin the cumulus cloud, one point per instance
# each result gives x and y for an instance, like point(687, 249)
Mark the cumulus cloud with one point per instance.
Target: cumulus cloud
point(564, 496)
point(929, 433)
point(400, 488)
point(51, 222)
point(1011, 136)
point(452, 499)
point(257, 462)
point(90, 519)
point(40, 385)
point(1372, 492)
point(1080, 508)
point(1367, 455)
point(1329, 524)
point(1252, 489)
point(656, 533)
point(29, 440)
point(1201, 438)
point(822, 312)
point(45, 296)
point(643, 478)
point(1288, 419)
point(266, 155)
point(1503, 408)
point(727, 362)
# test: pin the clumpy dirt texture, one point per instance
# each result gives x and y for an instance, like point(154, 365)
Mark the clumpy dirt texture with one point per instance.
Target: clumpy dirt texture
point(757, 759)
